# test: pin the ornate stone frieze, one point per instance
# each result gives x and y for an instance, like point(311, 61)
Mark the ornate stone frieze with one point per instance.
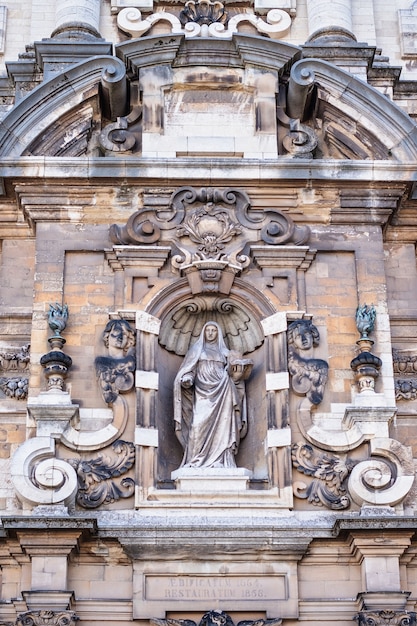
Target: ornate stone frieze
point(208, 229)
point(47, 618)
point(308, 376)
point(96, 476)
point(15, 362)
point(277, 23)
point(404, 362)
point(15, 359)
point(386, 618)
point(329, 472)
point(115, 372)
point(215, 618)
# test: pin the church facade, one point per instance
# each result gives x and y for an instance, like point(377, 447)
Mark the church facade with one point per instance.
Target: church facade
point(208, 318)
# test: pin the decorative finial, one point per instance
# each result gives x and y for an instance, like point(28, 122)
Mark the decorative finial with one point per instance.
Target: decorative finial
point(55, 362)
point(365, 319)
point(366, 365)
point(57, 318)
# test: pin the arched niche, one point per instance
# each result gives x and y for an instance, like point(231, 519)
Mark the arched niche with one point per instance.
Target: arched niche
point(244, 310)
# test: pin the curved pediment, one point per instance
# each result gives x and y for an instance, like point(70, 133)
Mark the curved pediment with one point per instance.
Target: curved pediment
point(208, 97)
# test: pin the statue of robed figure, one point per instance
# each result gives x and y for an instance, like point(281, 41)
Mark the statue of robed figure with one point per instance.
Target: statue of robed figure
point(210, 409)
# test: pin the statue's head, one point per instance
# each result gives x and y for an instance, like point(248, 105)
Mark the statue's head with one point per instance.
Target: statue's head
point(211, 332)
point(303, 335)
point(119, 335)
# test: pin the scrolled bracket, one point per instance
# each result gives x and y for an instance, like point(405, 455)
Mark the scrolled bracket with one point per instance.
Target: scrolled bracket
point(39, 477)
point(387, 478)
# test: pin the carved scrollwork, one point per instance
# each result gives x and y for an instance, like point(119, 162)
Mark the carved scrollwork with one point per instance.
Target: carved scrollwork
point(277, 23)
point(47, 618)
point(118, 136)
point(183, 326)
point(38, 476)
point(386, 478)
point(140, 228)
point(309, 376)
point(301, 140)
point(329, 474)
point(386, 618)
point(96, 476)
point(146, 226)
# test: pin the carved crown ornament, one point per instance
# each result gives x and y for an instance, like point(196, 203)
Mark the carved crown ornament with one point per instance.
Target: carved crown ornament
point(207, 230)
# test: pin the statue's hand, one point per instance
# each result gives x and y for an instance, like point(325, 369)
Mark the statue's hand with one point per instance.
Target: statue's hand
point(187, 381)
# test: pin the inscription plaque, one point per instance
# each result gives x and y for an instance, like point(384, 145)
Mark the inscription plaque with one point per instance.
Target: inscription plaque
point(269, 588)
point(215, 587)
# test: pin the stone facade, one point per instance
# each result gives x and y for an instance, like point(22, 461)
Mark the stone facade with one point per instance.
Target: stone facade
point(208, 326)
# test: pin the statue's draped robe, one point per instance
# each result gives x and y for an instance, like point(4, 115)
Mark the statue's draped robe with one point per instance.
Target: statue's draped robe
point(210, 417)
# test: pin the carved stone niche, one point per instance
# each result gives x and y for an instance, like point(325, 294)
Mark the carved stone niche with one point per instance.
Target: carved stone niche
point(256, 479)
point(210, 257)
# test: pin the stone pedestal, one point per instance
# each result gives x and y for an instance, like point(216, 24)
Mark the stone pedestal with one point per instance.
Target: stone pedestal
point(211, 479)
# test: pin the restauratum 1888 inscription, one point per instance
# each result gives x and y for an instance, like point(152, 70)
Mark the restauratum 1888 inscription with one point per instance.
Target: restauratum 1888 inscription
point(215, 587)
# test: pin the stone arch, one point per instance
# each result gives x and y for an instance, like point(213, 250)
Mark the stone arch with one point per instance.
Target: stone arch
point(38, 125)
point(157, 368)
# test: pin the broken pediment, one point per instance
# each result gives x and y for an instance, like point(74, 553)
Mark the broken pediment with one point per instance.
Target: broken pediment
point(170, 96)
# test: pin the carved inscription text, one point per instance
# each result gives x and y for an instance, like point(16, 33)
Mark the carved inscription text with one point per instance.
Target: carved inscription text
point(215, 587)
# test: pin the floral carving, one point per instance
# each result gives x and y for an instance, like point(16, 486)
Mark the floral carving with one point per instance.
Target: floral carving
point(16, 388)
point(210, 227)
point(96, 476)
point(47, 618)
point(386, 618)
point(329, 473)
point(309, 376)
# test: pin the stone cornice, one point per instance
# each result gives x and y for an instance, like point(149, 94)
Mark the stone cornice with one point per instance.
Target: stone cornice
point(373, 524)
point(208, 169)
